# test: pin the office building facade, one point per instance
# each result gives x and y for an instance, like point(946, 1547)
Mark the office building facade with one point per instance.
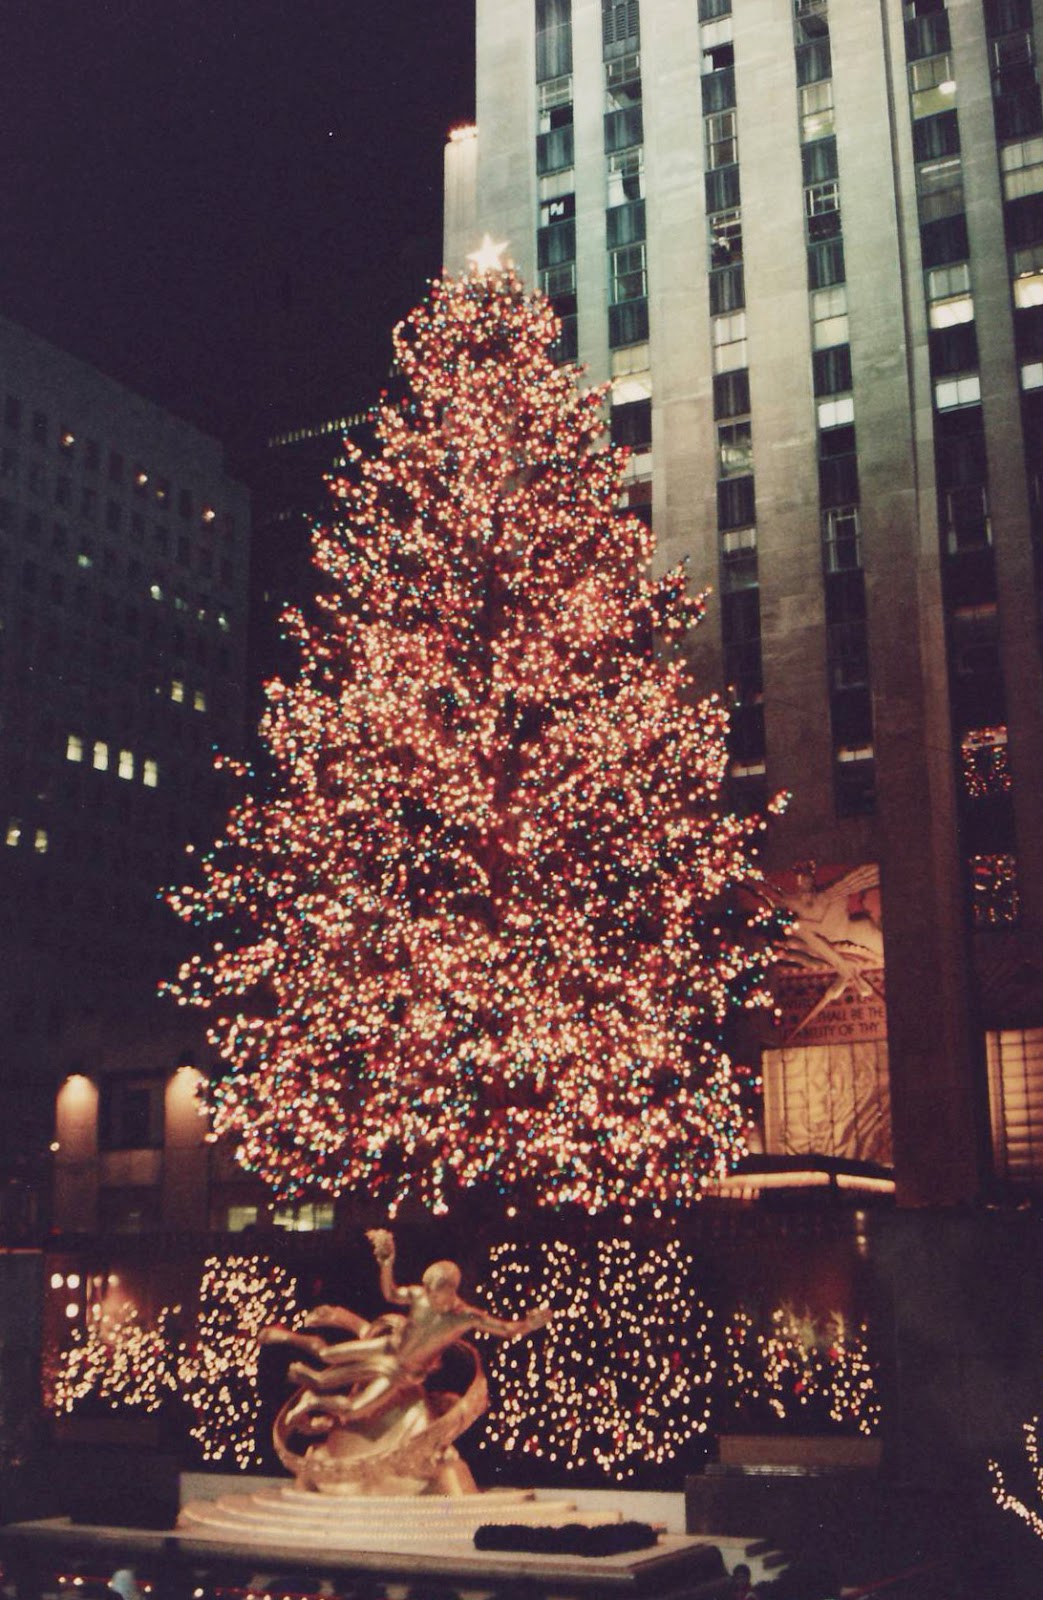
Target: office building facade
point(124, 557)
point(802, 241)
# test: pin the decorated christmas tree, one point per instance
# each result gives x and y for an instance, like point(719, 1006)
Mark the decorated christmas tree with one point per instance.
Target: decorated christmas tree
point(492, 919)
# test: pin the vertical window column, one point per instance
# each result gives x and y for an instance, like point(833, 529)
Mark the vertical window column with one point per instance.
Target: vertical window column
point(555, 168)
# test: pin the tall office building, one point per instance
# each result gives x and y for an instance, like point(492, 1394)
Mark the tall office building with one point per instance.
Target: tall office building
point(124, 554)
point(802, 240)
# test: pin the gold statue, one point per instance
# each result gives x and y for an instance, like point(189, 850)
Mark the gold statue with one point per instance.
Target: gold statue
point(376, 1428)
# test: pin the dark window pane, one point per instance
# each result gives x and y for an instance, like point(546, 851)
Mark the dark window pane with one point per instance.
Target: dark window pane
point(927, 36)
point(623, 128)
point(832, 369)
point(736, 503)
point(819, 160)
point(632, 424)
point(825, 263)
point(944, 240)
point(813, 62)
point(953, 349)
point(936, 136)
point(722, 188)
point(627, 323)
point(838, 480)
point(731, 394)
point(718, 90)
point(626, 224)
point(727, 291)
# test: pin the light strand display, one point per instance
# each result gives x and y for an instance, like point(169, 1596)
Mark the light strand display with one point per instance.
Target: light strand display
point(490, 922)
point(132, 1365)
point(819, 1373)
point(1006, 1497)
point(622, 1378)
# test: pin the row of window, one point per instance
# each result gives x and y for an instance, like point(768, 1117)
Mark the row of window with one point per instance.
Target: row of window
point(58, 590)
point(104, 757)
point(31, 525)
point(40, 431)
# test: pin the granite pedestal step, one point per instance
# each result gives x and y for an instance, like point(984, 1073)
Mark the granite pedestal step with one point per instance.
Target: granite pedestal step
point(397, 1522)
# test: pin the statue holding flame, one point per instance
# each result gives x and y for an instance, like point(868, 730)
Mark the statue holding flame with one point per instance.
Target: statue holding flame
point(362, 1409)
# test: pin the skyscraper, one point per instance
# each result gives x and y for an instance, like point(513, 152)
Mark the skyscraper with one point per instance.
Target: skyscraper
point(802, 241)
point(124, 553)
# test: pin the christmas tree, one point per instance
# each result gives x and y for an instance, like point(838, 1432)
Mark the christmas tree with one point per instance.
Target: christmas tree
point(488, 927)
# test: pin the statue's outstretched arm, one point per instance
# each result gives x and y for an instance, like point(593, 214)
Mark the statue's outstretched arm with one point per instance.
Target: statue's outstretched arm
point(384, 1250)
point(511, 1328)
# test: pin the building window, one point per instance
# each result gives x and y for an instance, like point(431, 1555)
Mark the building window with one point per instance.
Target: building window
point(831, 370)
point(631, 427)
point(150, 773)
point(40, 841)
point(725, 234)
point(934, 137)
point(1022, 168)
point(628, 275)
point(729, 342)
point(951, 393)
point(939, 188)
point(131, 1113)
point(854, 776)
point(965, 518)
point(829, 323)
point(734, 448)
point(736, 503)
point(727, 290)
point(995, 902)
point(731, 394)
point(931, 85)
point(304, 1216)
point(722, 144)
point(841, 539)
point(984, 764)
point(125, 768)
point(816, 110)
point(739, 558)
point(100, 757)
point(825, 263)
point(836, 413)
point(626, 176)
point(240, 1217)
point(1015, 1058)
point(74, 748)
point(13, 835)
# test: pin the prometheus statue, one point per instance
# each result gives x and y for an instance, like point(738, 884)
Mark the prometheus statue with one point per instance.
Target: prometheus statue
point(362, 1419)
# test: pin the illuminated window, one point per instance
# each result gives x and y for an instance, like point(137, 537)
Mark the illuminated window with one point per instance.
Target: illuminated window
point(836, 413)
point(74, 748)
point(1015, 1058)
point(208, 514)
point(829, 316)
point(223, 622)
point(931, 84)
point(995, 901)
point(199, 700)
point(177, 690)
point(734, 448)
point(1022, 168)
point(1032, 375)
point(951, 393)
point(100, 758)
point(125, 768)
point(816, 110)
point(240, 1217)
point(305, 1217)
point(149, 772)
point(983, 758)
point(13, 836)
point(40, 841)
point(729, 341)
point(155, 591)
point(951, 312)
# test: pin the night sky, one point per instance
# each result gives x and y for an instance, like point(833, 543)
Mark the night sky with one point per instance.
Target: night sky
point(226, 204)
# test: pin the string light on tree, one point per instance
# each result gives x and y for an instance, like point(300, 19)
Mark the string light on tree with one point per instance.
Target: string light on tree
point(801, 1370)
point(237, 1298)
point(491, 924)
point(1007, 1499)
point(623, 1378)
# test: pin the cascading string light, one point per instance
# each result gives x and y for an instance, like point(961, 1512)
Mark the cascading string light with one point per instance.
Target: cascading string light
point(817, 1371)
point(132, 1365)
point(623, 1377)
point(491, 923)
point(1006, 1497)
